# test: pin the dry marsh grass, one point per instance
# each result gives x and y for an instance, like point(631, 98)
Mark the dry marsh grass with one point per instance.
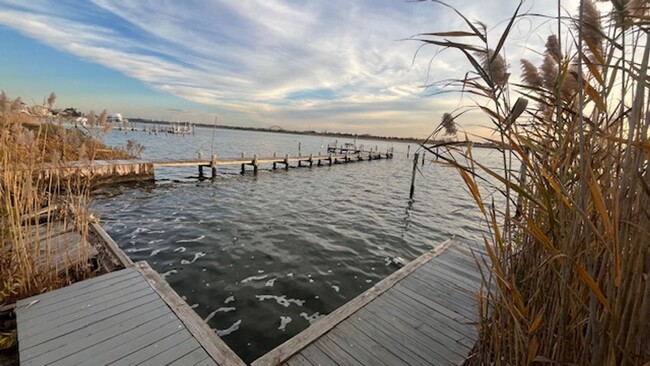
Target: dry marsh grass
point(35, 209)
point(570, 250)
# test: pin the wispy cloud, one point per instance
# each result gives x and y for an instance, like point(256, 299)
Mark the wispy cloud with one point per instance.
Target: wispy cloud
point(329, 63)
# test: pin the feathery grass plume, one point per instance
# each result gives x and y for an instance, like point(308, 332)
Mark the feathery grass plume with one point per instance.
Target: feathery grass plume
point(91, 118)
point(530, 75)
point(550, 76)
point(3, 102)
point(592, 29)
point(553, 48)
point(16, 105)
point(495, 66)
point(448, 124)
point(51, 99)
point(103, 117)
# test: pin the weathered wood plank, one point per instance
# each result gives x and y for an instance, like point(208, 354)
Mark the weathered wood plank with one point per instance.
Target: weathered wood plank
point(89, 342)
point(87, 294)
point(191, 358)
point(84, 309)
point(106, 318)
point(316, 356)
point(138, 356)
point(111, 245)
point(145, 336)
point(373, 350)
point(173, 353)
point(213, 345)
point(297, 343)
point(335, 352)
point(97, 283)
point(299, 360)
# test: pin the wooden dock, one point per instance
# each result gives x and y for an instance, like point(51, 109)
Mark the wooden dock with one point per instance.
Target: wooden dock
point(423, 314)
point(131, 316)
point(119, 171)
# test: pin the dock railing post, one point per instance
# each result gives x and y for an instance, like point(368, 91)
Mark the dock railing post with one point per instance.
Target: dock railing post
point(213, 164)
point(275, 166)
point(286, 162)
point(200, 166)
point(311, 160)
point(255, 164)
point(330, 158)
point(415, 168)
point(408, 150)
point(243, 166)
point(423, 158)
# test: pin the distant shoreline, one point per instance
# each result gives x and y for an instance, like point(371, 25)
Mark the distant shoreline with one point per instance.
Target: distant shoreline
point(310, 132)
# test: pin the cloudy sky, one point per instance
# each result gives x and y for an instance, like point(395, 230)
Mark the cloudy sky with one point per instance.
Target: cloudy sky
point(336, 65)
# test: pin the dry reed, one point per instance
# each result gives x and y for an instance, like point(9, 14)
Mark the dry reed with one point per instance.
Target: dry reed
point(570, 251)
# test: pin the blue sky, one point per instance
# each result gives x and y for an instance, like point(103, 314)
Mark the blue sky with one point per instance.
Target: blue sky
point(329, 65)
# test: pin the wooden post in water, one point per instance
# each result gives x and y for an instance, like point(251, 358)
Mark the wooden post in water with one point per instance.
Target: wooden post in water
point(275, 155)
point(200, 166)
point(243, 166)
point(330, 158)
point(423, 153)
point(408, 150)
point(311, 160)
point(255, 164)
point(213, 163)
point(286, 162)
point(415, 168)
point(299, 153)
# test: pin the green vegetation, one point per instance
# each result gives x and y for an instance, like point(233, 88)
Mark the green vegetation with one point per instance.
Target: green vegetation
point(568, 281)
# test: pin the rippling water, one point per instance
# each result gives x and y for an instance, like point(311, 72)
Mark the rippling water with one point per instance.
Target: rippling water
point(261, 257)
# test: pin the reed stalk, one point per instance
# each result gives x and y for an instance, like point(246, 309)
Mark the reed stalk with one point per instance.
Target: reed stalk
point(569, 250)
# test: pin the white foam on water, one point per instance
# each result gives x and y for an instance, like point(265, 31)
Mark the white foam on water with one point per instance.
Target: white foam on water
point(260, 271)
point(368, 281)
point(169, 273)
point(281, 300)
point(155, 241)
point(271, 282)
point(141, 230)
point(336, 288)
point(312, 318)
point(229, 299)
point(191, 240)
point(253, 278)
point(180, 249)
point(290, 274)
point(156, 251)
point(135, 250)
point(220, 310)
point(229, 330)
point(284, 320)
point(185, 261)
point(194, 306)
point(197, 256)
point(156, 232)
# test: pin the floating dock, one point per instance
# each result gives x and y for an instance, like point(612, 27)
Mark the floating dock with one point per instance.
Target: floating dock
point(131, 316)
point(423, 314)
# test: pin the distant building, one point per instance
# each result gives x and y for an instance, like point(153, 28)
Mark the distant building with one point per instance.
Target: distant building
point(115, 118)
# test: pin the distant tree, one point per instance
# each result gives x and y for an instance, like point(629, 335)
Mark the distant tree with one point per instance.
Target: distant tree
point(51, 99)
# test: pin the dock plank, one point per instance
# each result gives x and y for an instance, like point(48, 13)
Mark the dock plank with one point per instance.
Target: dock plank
point(129, 316)
point(423, 314)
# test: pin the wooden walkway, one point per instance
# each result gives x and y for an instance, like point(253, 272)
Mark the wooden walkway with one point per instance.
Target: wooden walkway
point(423, 314)
point(59, 246)
point(119, 171)
point(131, 316)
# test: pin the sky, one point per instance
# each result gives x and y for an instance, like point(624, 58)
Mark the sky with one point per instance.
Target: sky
point(336, 65)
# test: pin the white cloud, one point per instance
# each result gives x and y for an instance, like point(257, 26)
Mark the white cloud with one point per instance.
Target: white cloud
point(252, 58)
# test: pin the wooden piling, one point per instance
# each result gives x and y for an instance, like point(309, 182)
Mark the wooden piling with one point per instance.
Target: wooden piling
point(408, 150)
point(255, 164)
point(243, 166)
point(415, 168)
point(286, 162)
point(330, 158)
point(311, 160)
point(423, 158)
point(213, 164)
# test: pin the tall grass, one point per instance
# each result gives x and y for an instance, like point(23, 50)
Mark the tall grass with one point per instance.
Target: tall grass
point(570, 251)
